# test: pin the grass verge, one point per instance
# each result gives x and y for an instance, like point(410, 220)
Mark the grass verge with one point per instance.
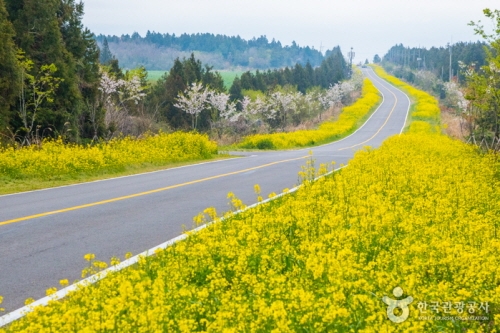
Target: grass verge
point(9, 186)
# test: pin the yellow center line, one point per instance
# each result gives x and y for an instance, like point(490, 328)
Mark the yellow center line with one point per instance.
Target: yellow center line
point(30, 217)
point(386, 120)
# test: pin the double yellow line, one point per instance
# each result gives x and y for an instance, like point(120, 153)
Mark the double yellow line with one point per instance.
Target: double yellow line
point(125, 197)
point(30, 217)
point(386, 120)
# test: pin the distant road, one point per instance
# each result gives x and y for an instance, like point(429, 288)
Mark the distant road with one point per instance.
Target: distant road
point(45, 234)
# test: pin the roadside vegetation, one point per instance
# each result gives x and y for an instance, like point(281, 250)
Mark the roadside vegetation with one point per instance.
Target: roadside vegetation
point(418, 213)
point(62, 93)
point(350, 118)
point(464, 77)
point(55, 162)
point(62, 85)
point(425, 113)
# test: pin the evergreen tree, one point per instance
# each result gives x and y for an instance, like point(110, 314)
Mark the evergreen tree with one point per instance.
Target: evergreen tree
point(51, 32)
point(235, 90)
point(246, 81)
point(233, 50)
point(332, 70)
point(164, 93)
point(309, 73)
point(105, 56)
point(437, 59)
point(9, 69)
point(300, 78)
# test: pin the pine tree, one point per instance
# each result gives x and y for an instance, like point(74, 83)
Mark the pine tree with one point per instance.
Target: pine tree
point(51, 32)
point(106, 56)
point(235, 90)
point(299, 78)
point(9, 69)
point(164, 93)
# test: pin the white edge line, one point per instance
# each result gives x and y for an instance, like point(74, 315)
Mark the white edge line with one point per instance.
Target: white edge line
point(409, 101)
point(120, 177)
point(192, 165)
point(21, 312)
point(335, 142)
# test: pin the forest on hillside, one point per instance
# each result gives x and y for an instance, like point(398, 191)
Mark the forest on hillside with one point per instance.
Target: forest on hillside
point(49, 70)
point(157, 51)
point(437, 59)
point(465, 78)
point(55, 81)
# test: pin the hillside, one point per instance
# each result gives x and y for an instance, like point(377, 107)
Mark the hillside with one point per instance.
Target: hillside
point(158, 51)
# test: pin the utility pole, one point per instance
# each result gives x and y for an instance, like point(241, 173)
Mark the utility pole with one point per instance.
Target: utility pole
point(451, 52)
point(419, 59)
point(351, 55)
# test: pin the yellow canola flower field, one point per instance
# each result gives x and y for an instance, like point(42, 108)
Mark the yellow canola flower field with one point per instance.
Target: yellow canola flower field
point(56, 160)
point(350, 118)
point(420, 213)
point(425, 113)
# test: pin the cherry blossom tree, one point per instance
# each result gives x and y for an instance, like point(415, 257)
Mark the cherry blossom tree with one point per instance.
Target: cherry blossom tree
point(331, 98)
point(223, 111)
point(193, 101)
point(115, 95)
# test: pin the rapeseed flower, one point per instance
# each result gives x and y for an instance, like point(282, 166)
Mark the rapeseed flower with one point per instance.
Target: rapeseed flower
point(350, 118)
point(420, 213)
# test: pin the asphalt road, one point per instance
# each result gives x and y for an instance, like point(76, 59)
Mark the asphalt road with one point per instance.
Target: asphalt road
point(45, 234)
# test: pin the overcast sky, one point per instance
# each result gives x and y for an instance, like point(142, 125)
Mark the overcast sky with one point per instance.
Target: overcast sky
point(369, 26)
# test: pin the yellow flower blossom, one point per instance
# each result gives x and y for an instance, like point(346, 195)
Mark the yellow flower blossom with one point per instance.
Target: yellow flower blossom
point(350, 118)
point(420, 213)
point(56, 160)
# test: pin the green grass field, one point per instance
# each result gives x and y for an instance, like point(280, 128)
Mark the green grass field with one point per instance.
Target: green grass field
point(154, 76)
point(227, 76)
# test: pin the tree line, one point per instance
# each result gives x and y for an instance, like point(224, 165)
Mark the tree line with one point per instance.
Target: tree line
point(49, 69)
point(465, 76)
point(333, 69)
point(437, 59)
point(55, 81)
point(159, 50)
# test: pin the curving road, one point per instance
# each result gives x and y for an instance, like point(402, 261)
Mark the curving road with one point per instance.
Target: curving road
point(45, 234)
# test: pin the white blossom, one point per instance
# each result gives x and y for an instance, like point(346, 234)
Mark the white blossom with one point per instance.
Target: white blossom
point(332, 97)
point(193, 101)
point(456, 95)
